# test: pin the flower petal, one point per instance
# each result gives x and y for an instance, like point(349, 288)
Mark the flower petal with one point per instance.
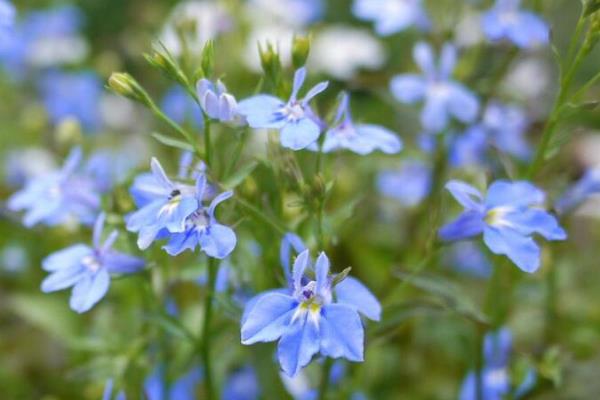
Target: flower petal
point(423, 55)
point(300, 265)
point(66, 258)
point(120, 263)
point(353, 293)
point(408, 88)
point(89, 290)
point(468, 196)
point(522, 250)
point(63, 278)
point(268, 318)
point(298, 344)
point(218, 241)
point(342, 333)
point(469, 223)
point(462, 103)
point(261, 111)
point(514, 194)
point(322, 276)
point(535, 220)
point(297, 135)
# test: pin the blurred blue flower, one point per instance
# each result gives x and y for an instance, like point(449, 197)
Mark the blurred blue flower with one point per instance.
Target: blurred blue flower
point(299, 386)
point(72, 95)
point(241, 385)
point(181, 108)
point(296, 13)
point(588, 185)
point(502, 126)
point(524, 28)
point(508, 217)
point(44, 38)
point(306, 320)
point(22, 165)
point(164, 204)
point(442, 96)
point(156, 386)
point(202, 229)
point(495, 374)
point(58, 197)
point(110, 167)
point(298, 125)
point(409, 184)
point(359, 138)
point(391, 16)
point(467, 258)
point(216, 102)
point(7, 20)
point(88, 269)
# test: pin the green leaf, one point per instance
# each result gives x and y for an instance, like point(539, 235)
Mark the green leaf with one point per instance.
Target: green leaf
point(238, 176)
point(341, 276)
point(172, 142)
point(172, 326)
point(452, 296)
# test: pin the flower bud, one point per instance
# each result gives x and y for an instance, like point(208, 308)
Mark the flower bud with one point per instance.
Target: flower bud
point(163, 61)
point(125, 85)
point(208, 59)
point(270, 61)
point(300, 50)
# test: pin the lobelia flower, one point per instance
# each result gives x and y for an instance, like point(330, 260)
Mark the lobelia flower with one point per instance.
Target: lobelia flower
point(467, 258)
point(359, 138)
point(508, 216)
point(216, 102)
point(588, 185)
point(292, 13)
point(88, 269)
point(241, 385)
point(391, 16)
point(73, 95)
point(202, 229)
point(495, 374)
point(409, 184)
point(442, 96)
point(523, 28)
point(502, 126)
point(181, 108)
point(58, 197)
point(298, 125)
point(306, 320)
point(7, 20)
point(164, 205)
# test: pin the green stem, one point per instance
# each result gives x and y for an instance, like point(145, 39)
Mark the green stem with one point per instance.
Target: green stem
point(261, 215)
point(324, 384)
point(207, 144)
point(176, 127)
point(206, 334)
point(551, 297)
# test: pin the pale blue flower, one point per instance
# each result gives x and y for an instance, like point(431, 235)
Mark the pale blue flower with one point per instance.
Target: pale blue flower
point(297, 123)
point(306, 320)
point(216, 102)
point(467, 258)
point(58, 197)
point(88, 269)
point(442, 96)
point(202, 229)
point(156, 386)
point(508, 216)
point(7, 20)
point(506, 21)
point(409, 184)
point(495, 374)
point(359, 138)
point(241, 385)
point(391, 16)
point(181, 108)
point(164, 205)
point(588, 185)
point(75, 95)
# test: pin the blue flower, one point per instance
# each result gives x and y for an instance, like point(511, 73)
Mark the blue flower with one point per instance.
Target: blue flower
point(58, 197)
point(110, 167)
point(216, 102)
point(409, 184)
point(202, 229)
point(184, 388)
point(306, 320)
point(87, 269)
point(241, 385)
point(495, 374)
point(359, 138)
point(391, 16)
point(44, 38)
point(508, 217)
point(502, 126)
point(164, 204)
point(7, 20)
point(181, 108)
point(72, 95)
point(505, 21)
point(588, 185)
point(467, 258)
point(443, 97)
point(298, 125)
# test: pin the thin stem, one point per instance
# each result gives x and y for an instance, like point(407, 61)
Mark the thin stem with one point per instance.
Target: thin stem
point(261, 215)
point(206, 334)
point(207, 144)
point(176, 127)
point(324, 384)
